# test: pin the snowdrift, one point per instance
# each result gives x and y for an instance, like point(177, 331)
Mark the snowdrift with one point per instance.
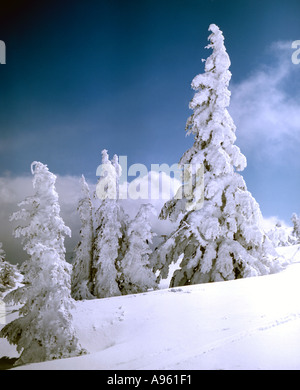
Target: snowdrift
point(251, 323)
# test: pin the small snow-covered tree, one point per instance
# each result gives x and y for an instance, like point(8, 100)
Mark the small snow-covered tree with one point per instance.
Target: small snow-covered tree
point(44, 329)
point(296, 227)
point(279, 235)
point(9, 274)
point(222, 237)
point(81, 281)
point(111, 223)
point(135, 274)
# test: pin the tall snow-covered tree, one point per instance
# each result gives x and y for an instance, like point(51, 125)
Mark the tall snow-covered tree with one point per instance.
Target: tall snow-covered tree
point(111, 223)
point(81, 280)
point(135, 274)
point(9, 274)
point(220, 236)
point(44, 329)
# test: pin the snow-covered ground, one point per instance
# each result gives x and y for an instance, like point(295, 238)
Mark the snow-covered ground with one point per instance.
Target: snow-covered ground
point(249, 323)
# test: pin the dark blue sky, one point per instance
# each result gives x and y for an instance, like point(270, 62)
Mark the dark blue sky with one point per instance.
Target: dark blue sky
point(82, 76)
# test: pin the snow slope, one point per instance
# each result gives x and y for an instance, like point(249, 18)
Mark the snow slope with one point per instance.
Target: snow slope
point(249, 323)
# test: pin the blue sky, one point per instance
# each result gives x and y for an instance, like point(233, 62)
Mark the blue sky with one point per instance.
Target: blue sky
point(82, 76)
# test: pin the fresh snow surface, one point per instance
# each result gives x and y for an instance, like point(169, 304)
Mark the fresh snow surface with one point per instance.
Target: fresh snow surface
point(251, 323)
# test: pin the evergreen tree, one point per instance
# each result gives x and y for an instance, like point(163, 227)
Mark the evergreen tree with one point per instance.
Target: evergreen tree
point(44, 329)
point(279, 235)
point(135, 274)
point(81, 281)
point(220, 234)
point(111, 224)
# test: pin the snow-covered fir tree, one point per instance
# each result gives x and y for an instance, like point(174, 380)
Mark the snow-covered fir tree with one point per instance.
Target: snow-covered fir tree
point(9, 275)
point(296, 227)
point(135, 274)
point(44, 329)
point(81, 281)
point(111, 224)
point(220, 236)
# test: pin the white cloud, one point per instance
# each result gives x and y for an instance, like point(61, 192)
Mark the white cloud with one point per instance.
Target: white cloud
point(270, 223)
point(265, 108)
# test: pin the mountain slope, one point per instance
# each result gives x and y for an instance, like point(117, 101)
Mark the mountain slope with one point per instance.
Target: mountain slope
point(251, 323)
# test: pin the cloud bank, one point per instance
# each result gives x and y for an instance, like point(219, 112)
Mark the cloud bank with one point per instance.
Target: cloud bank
point(14, 190)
